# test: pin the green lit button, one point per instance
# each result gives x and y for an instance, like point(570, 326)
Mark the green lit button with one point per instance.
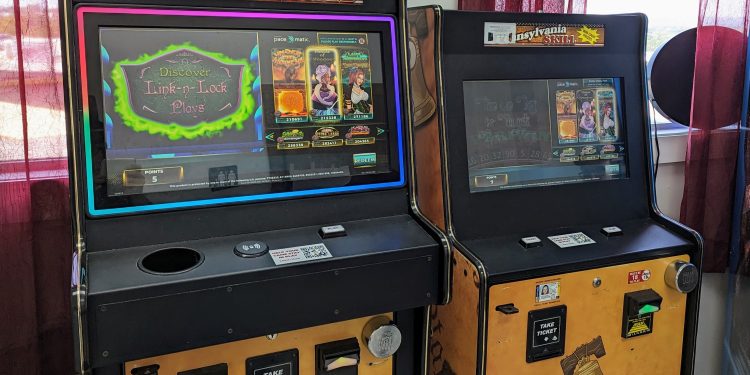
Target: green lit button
point(648, 309)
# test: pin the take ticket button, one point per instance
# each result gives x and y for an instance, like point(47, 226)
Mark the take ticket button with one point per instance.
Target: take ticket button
point(546, 333)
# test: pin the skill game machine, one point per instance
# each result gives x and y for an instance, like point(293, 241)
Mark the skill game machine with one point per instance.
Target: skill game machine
point(241, 190)
point(532, 150)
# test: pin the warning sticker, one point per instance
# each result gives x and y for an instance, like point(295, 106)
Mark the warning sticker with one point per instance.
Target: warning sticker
point(639, 276)
point(571, 240)
point(641, 325)
point(299, 254)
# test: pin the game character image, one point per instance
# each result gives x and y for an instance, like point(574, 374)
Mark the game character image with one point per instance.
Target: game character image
point(357, 99)
point(587, 124)
point(289, 85)
point(606, 106)
point(567, 124)
point(324, 96)
point(608, 122)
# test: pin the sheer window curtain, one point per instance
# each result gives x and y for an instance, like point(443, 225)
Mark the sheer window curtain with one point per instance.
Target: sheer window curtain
point(711, 160)
point(35, 234)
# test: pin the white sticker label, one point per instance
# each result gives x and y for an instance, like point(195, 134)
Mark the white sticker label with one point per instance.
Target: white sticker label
point(497, 33)
point(571, 240)
point(548, 291)
point(300, 254)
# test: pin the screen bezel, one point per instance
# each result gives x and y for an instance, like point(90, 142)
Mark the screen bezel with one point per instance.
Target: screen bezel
point(91, 19)
point(527, 212)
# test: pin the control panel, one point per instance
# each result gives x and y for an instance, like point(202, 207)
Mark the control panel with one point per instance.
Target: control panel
point(624, 319)
point(363, 346)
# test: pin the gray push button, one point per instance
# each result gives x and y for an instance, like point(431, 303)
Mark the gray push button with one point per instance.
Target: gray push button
point(612, 231)
point(251, 249)
point(529, 242)
point(332, 231)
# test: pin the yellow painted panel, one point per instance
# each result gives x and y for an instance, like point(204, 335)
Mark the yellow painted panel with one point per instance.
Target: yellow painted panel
point(453, 343)
point(235, 353)
point(591, 313)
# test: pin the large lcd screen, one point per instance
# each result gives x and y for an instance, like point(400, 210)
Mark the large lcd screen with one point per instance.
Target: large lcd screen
point(527, 133)
point(200, 113)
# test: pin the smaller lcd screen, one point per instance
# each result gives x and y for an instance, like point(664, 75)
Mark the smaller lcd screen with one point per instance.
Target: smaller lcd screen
point(529, 133)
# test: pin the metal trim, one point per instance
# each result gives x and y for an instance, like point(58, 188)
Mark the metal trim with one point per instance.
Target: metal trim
point(78, 289)
point(450, 228)
point(413, 193)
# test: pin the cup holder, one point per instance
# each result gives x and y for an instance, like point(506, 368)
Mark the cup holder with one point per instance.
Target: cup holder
point(170, 261)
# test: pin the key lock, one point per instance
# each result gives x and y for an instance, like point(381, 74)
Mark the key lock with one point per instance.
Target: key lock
point(382, 338)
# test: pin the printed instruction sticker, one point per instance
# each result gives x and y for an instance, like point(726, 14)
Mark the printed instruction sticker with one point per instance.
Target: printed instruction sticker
point(299, 254)
point(571, 240)
point(547, 291)
point(497, 33)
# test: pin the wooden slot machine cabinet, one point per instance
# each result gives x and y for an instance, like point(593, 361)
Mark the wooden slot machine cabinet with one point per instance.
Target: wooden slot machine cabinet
point(532, 153)
point(241, 190)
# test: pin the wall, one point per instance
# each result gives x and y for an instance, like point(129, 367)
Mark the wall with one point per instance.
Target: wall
point(669, 186)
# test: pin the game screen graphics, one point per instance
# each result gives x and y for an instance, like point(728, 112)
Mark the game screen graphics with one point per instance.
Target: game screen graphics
point(527, 133)
point(209, 109)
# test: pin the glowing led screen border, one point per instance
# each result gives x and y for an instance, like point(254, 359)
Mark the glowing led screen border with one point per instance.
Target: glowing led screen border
point(93, 211)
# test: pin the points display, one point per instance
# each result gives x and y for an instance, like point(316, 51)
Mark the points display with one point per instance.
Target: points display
point(527, 133)
point(269, 110)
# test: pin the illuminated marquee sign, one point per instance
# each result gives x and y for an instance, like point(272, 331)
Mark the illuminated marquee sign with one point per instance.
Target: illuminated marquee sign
point(498, 34)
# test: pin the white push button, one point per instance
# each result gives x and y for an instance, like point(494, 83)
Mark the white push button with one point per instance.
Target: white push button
point(529, 242)
point(332, 231)
point(612, 231)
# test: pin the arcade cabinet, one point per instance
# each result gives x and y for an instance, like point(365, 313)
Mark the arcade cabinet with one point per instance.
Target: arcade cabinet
point(240, 190)
point(532, 150)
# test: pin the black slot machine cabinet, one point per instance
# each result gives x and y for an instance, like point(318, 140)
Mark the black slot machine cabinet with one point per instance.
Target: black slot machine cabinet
point(241, 197)
point(533, 153)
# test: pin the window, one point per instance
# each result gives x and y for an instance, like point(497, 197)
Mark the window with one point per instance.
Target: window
point(41, 65)
point(666, 18)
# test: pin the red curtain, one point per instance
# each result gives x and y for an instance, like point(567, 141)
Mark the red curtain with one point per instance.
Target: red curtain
point(534, 6)
point(712, 149)
point(35, 234)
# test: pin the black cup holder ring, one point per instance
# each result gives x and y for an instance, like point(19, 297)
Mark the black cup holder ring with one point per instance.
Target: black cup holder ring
point(170, 261)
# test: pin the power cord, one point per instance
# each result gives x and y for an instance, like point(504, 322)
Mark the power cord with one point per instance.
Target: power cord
point(656, 141)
